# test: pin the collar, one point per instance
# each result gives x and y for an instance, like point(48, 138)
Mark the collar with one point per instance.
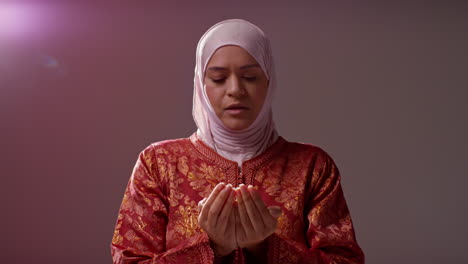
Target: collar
point(249, 164)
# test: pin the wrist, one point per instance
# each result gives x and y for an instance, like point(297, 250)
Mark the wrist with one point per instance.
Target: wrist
point(256, 248)
point(256, 253)
point(220, 251)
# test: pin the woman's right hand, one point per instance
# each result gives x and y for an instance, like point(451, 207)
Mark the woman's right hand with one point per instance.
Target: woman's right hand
point(216, 219)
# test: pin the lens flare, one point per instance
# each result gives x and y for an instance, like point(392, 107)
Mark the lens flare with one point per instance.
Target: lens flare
point(16, 19)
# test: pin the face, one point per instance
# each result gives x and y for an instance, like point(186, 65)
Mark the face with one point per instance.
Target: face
point(233, 76)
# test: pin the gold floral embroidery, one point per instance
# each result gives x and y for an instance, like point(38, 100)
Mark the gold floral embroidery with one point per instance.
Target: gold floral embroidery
point(175, 192)
point(260, 176)
point(287, 188)
point(160, 150)
point(182, 165)
point(287, 255)
point(338, 231)
point(184, 223)
point(289, 227)
point(314, 216)
point(272, 185)
point(205, 178)
point(162, 214)
point(117, 238)
point(130, 235)
point(141, 223)
point(168, 171)
point(162, 169)
point(142, 247)
point(125, 203)
point(187, 219)
point(284, 226)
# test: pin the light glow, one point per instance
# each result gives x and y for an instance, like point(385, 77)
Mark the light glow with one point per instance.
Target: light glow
point(16, 19)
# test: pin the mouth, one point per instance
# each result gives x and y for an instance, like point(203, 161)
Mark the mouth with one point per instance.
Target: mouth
point(236, 106)
point(236, 110)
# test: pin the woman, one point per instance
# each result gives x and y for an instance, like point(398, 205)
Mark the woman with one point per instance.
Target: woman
point(234, 191)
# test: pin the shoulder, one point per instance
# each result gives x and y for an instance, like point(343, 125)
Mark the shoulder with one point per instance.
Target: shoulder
point(307, 149)
point(171, 143)
point(315, 156)
point(319, 160)
point(167, 147)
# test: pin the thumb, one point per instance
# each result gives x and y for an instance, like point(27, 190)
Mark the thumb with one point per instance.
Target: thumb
point(201, 203)
point(275, 211)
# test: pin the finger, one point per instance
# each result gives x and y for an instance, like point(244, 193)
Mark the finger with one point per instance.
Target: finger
point(206, 207)
point(232, 219)
point(201, 203)
point(243, 214)
point(267, 218)
point(275, 211)
point(217, 206)
point(240, 231)
point(255, 216)
point(226, 212)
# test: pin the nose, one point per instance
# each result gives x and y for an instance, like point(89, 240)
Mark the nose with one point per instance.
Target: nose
point(235, 87)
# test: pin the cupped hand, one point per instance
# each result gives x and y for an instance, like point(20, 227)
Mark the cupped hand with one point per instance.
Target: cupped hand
point(217, 219)
point(254, 221)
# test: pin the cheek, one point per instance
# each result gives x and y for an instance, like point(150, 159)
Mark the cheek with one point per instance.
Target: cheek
point(214, 96)
point(260, 95)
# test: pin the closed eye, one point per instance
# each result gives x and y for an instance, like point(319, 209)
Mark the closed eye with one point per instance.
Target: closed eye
point(250, 79)
point(218, 80)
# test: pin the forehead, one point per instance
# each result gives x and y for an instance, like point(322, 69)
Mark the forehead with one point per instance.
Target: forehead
point(231, 55)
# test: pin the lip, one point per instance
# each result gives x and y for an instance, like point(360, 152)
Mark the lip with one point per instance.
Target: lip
point(243, 107)
point(235, 112)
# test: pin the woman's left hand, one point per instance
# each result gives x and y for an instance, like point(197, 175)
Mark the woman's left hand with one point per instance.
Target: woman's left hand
point(254, 221)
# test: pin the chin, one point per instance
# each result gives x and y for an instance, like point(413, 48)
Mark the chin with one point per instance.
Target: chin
point(237, 125)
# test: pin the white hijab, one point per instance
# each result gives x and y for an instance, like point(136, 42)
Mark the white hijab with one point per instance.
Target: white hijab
point(236, 145)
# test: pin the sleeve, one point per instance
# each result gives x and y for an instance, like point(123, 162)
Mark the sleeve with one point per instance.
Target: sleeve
point(140, 230)
point(330, 232)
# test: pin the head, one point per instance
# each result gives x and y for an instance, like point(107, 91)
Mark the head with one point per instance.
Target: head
point(234, 65)
point(233, 76)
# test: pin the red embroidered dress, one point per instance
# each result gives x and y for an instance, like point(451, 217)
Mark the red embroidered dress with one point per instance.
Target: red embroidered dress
point(157, 221)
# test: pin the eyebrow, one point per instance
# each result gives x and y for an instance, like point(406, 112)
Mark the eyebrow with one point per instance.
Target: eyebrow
point(217, 68)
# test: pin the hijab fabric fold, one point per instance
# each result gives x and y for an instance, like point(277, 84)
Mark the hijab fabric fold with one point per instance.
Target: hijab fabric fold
point(236, 145)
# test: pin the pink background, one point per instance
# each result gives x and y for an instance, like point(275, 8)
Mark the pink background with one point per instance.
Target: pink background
point(85, 86)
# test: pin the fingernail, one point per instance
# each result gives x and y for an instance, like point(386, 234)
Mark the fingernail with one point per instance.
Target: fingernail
point(276, 214)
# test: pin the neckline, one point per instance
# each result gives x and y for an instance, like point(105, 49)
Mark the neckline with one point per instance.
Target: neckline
point(256, 161)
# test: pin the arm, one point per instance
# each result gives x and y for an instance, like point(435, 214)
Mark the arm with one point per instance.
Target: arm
point(330, 233)
point(140, 231)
